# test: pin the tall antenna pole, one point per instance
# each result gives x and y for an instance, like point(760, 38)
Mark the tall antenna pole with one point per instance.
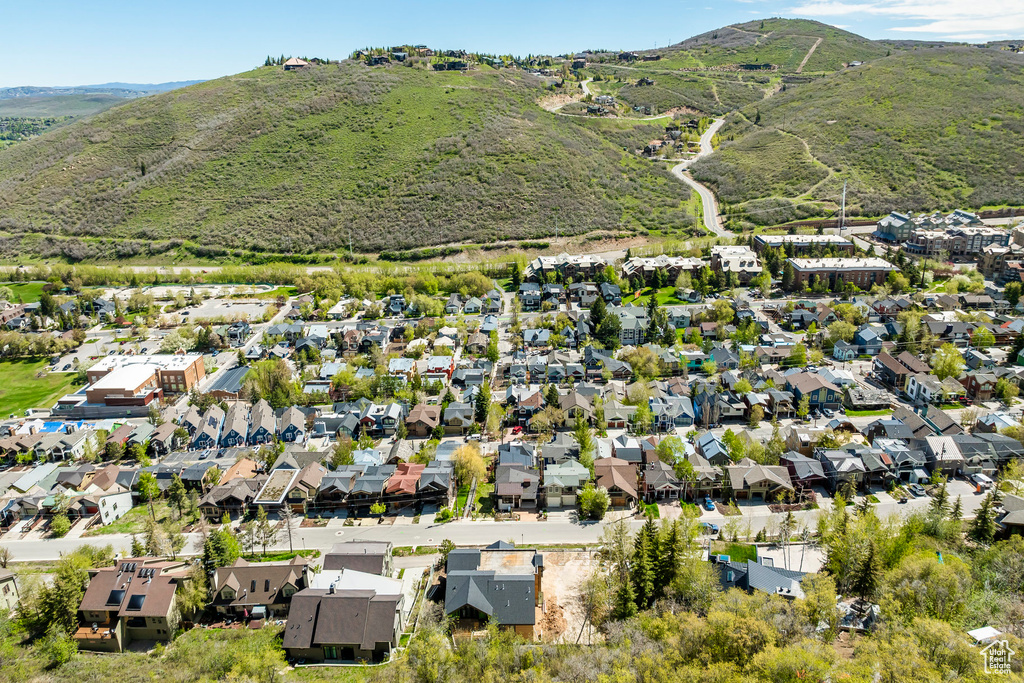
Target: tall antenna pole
point(842, 213)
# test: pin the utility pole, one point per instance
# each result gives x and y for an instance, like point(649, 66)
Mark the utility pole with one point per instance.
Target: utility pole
point(842, 212)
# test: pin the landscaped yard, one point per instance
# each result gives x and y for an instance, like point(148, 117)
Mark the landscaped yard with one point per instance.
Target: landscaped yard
point(20, 388)
point(666, 297)
point(134, 522)
point(484, 500)
point(737, 552)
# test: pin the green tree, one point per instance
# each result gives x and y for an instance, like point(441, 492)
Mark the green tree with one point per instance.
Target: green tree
point(220, 549)
point(948, 361)
point(983, 528)
point(803, 407)
point(869, 574)
point(149, 490)
point(266, 533)
point(60, 525)
point(177, 495)
point(797, 356)
point(593, 502)
point(983, 338)
point(756, 415)
point(644, 564)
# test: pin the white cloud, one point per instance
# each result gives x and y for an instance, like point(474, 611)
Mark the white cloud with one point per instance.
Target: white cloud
point(979, 19)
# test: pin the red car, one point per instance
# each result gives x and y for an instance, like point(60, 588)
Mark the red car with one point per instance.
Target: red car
point(517, 430)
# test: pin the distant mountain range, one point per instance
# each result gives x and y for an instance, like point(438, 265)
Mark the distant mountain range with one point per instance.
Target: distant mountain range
point(126, 90)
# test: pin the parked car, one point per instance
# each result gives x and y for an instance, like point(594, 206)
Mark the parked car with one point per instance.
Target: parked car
point(709, 528)
point(917, 490)
point(827, 412)
point(815, 414)
point(517, 430)
point(709, 504)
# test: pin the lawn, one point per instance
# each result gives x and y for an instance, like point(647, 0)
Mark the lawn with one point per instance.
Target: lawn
point(651, 510)
point(867, 413)
point(737, 552)
point(484, 500)
point(25, 292)
point(134, 522)
point(460, 499)
point(666, 297)
point(22, 388)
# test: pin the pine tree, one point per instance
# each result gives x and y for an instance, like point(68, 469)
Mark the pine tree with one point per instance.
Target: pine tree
point(625, 602)
point(672, 542)
point(983, 528)
point(940, 503)
point(868, 573)
point(551, 396)
point(645, 557)
point(958, 510)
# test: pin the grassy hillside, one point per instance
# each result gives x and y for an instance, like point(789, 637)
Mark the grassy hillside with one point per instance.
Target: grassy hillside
point(394, 157)
point(782, 42)
point(924, 129)
point(58, 105)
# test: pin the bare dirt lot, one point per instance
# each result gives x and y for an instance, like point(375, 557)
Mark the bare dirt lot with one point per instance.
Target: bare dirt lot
point(563, 617)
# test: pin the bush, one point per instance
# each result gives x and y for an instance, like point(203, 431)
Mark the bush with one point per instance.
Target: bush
point(60, 525)
point(593, 502)
point(443, 515)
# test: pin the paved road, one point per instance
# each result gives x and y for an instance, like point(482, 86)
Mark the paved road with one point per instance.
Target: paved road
point(680, 171)
point(554, 531)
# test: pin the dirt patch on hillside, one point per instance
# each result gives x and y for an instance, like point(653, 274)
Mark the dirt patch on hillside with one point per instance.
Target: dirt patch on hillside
point(564, 609)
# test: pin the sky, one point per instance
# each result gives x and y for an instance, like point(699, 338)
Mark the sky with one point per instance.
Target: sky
point(62, 43)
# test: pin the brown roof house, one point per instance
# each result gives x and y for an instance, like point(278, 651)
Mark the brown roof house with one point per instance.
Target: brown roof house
point(369, 557)
point(257, 591)
point(619, 478)
point(133, 600)
point(357, 617)
point(423, 419)
point(749, 480)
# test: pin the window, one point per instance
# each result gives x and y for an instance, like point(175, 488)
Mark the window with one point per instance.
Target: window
point(252, 586)
point(266, 585)
point(135, 603)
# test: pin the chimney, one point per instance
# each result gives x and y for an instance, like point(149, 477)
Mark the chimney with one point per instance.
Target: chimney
point(330, 590)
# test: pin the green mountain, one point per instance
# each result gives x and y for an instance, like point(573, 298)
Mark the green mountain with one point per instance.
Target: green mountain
point(918, 130)
point(291, 162)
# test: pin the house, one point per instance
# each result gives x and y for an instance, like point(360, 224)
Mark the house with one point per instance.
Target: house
point(8, 591)
point(236, 427)
point(660, 482)
point(458, 417)
point(516, 487)
point(562, 482)
point(370, 557)
point(620, 479)
point(868, 341)
point(294, 63)
point(357, 618)
point(262, 425)
point(133, 600)
point(713, 450)
point(292, 426)
point(890, 371)
point(820, 392)
point(499, 584)
point(423, 419)
point(208, 434)
point(980, 386)
point(261, 590)
point(844, 351)
point(943, 455)
point(841, 466)
point(758, 575)
point(804, 472)
point(748, 480)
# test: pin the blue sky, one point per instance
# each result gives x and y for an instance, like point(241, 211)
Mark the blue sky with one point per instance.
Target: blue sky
point(78, 43)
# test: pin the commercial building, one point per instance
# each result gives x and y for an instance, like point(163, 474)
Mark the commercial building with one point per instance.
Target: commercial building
point(799, 245)
point(862, 272)
point(127, 385)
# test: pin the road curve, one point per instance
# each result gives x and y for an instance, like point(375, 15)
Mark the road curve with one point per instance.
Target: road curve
point(707, 196)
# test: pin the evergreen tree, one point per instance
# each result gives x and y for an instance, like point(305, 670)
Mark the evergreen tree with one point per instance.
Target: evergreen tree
point(869, 571)
point(672, 549)
point(625, 602)
point(517, 275)
point(597, 312)
point(958, 510)
point(983, 528)
point(176, 494)
point(788, 277)
point(551, 396)
point(643, 569)
point(483, 402)
point(940, 502)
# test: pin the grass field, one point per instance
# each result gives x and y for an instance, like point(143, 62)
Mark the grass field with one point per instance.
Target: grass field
point(25, 292)
point(58, 105)
point(20, 388)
